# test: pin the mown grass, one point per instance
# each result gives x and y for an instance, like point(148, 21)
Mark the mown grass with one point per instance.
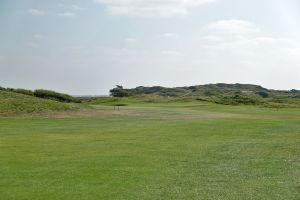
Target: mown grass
point(154, 151)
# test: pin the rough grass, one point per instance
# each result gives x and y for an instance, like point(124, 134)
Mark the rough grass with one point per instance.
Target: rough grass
point(154, 151)
point(12, 103)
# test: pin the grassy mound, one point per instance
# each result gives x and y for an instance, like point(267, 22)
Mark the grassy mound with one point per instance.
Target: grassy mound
point(15, 103)
point(56, 96)
point(44, 94)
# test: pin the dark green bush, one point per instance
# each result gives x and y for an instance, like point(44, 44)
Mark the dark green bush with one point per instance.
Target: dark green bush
point(21, 91)
point(263, 94)
point(119, 92)
point(47, 94)
point(238, 99)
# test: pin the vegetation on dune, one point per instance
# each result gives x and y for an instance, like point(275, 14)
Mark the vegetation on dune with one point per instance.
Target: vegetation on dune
point(227, 94)
point(16, 103)
point(237, 99)
point(45, 94)
point(200, 90)
point(21, 91)
point(204, 90)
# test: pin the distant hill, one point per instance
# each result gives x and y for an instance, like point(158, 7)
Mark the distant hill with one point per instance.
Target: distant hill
point(204, 90)
point(222, 93)
point(16, 103)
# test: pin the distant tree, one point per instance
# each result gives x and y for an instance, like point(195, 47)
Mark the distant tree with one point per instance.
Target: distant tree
point(294, 91)
point(119, 91)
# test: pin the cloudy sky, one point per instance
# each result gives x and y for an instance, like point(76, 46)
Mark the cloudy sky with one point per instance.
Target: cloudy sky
point(88, 46)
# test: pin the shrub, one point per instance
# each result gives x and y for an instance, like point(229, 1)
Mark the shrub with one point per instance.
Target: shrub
point(47, 94)
point(263, 94)
point(120, 92)
point(21, 91)
point(294, 91)
point(238, 99)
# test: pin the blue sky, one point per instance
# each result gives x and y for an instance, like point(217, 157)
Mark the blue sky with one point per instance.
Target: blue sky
point(89, 46)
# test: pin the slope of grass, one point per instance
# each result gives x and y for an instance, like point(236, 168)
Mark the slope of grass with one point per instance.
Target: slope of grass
point(15, 103)
point(154, 151)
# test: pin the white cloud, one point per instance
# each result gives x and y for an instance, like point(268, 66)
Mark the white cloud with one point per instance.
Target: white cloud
point(234, 26)
point(169, 35)
point(66, 14)
point(295, 52)
point(212, 38)
point(171, 53)
point(33, 44)
point(244, 42)
point(76, 8)
point(38, 36)
point(151, 7)
point(60, 5)
point(36, 12)
point(130, 39)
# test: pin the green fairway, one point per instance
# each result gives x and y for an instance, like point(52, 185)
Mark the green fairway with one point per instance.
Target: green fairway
point(153, 151)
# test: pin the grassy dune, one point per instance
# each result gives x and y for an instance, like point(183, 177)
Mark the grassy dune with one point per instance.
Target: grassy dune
point(159, 151)
point(12, 103)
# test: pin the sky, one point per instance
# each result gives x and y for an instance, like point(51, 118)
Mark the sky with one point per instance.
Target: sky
point(86, 47)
